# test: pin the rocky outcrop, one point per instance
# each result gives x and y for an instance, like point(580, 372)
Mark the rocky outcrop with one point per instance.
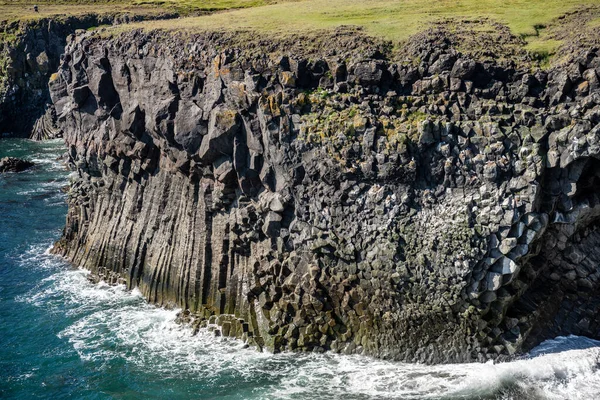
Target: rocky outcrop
point(30, 52)
point(11, 164)
point(321, 194)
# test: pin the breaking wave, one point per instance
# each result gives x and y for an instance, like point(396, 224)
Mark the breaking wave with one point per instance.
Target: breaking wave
point(112, 325)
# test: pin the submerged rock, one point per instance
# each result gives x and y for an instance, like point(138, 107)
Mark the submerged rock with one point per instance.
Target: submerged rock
point(11, 164)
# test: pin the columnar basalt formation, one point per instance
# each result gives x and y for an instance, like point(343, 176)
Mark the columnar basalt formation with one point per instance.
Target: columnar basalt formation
point(321, 194)
point(30, 52)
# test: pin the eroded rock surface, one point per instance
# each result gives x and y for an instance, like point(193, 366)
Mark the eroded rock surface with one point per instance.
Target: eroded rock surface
point(321, 195)
point(11, 164)
point(30, 53)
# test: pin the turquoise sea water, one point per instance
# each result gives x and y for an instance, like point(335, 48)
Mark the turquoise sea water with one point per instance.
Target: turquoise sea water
point(62, 337)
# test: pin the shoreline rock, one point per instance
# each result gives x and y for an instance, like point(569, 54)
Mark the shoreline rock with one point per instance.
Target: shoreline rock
point(11, 164)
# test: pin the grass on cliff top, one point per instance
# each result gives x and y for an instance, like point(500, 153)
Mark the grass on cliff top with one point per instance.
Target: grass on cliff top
point(394, 20)
point(11, 10)
point(390, 19)
point(206, 5)
point(23, 10)
point(594, 23)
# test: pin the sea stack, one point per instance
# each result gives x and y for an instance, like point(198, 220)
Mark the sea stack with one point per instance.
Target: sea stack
point(11, 164)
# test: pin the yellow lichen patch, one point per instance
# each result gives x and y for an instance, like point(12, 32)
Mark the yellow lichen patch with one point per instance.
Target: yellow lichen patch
point(216, 66)
point(287, 79)
point(226, 118)
point(302, 100)
point(359, 122)
point(274, 102)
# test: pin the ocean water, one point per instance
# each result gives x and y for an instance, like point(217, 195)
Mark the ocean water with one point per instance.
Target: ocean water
point(62, 337)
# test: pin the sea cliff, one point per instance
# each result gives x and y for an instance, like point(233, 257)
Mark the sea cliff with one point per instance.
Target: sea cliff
point(433, 203)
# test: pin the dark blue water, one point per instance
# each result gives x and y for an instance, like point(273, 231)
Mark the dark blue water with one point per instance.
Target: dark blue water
point(62, 337)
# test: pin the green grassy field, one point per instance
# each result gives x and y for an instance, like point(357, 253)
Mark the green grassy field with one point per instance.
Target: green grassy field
point(394, 20)
point(391, 19)
point(23, 10)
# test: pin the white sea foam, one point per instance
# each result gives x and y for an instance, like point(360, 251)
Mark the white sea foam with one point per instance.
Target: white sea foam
point(566, 374)
point(111, 323)
point(50, 188)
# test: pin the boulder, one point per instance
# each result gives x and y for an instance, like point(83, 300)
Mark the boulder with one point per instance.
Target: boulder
point(444, 63)
point(463, 69)
point(223, 125)
point(369, 73)
point(11, 164)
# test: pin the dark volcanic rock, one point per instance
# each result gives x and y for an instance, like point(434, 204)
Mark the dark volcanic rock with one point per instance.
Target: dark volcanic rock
point(11, 164)
point(440, 212)
point(27, 62)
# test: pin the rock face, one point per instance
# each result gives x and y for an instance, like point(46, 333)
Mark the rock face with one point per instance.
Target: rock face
point(30, 52)
point(11, 164)
point(304, 198)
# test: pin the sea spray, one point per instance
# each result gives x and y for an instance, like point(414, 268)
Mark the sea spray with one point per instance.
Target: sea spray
point(114, 325)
